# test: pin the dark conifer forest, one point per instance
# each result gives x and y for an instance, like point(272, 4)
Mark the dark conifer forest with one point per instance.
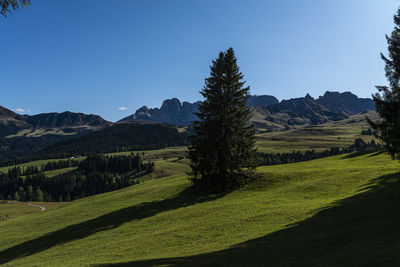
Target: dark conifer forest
point(120, 137)
point(95, 174)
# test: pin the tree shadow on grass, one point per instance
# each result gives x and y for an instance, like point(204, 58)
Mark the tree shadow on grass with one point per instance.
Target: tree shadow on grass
point(377, 153)
point(103, 223)
point(358, 154)
point(363, 230)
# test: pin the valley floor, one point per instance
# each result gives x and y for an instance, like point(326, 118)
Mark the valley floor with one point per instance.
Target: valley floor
point(337, 211)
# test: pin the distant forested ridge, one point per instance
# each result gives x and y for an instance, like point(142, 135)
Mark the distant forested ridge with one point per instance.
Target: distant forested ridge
point(120, 137)
point(95, 174)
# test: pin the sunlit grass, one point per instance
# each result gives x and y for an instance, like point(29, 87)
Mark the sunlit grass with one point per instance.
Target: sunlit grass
point(158, 219)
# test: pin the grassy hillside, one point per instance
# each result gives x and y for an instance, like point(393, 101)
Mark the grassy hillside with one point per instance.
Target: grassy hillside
point(320, 137)
point(341, 210)
point(10, 210)
point(317, 137)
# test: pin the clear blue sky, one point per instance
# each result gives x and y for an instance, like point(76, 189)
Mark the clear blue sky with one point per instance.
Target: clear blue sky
point(95, 56)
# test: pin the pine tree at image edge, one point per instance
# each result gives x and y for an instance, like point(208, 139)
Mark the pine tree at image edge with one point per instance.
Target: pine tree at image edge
point(222, 149)
point(387, 101)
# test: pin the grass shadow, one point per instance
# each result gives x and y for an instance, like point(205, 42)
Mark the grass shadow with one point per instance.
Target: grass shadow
point(362, 230)
point(377, 153)
point(103, 223)
point(358, 154)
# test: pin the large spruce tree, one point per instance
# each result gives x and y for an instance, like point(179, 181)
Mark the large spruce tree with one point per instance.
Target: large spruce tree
point(387, 100)
point(222, 149)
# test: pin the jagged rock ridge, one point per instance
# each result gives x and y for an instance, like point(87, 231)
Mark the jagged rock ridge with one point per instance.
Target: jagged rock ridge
point(172, 111)
point(267, 111)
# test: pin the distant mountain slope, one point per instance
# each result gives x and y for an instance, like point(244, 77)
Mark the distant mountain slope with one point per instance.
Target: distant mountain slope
point(66, 119)
point(294, 112)
point(333, 106)
point(23, 135)
point(307, 109)
point(6, 114)
point(13, 124)
point(10, 122)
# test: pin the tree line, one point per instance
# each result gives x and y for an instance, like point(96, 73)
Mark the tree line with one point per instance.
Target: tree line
point(265, 159)
point(95, 174)
point(369, 131)
point(49, 166)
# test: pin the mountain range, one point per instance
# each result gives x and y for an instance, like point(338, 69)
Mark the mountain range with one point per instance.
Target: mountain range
point(267, 112)
point(22, 135)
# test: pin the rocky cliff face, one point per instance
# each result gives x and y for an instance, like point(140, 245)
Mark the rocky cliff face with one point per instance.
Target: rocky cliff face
point(172, 111)
point(262, 101)
point(345, 102)
point(332, 106)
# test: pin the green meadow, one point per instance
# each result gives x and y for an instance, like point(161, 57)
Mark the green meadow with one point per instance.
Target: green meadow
point(341, 210)
point(10, 209)
point(318, 138)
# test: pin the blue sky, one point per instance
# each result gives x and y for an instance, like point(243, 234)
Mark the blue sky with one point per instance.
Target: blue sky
point(96, 56)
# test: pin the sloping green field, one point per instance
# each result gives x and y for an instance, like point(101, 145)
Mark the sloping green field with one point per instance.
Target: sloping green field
point(319, 138)
point(343, 210)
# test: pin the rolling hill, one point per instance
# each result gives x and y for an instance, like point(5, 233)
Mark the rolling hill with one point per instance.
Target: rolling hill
point(334, 211)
